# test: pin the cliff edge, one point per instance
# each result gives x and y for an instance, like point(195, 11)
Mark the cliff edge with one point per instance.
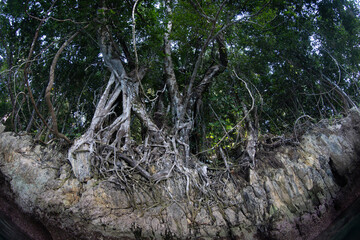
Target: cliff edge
point(295, 192)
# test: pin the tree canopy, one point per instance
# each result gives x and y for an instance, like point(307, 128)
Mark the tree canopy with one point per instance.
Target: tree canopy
point(169, 82)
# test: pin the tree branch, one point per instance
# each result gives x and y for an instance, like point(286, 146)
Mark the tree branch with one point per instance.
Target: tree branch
point(198, 62)
point(108, 49)
point(50, 86)
point(215, 70)
point(126, 52)
point(200, 11)
point(134, 39)
point(171, 83)
point(135, 165)
point(141, 112)
point(27, 65)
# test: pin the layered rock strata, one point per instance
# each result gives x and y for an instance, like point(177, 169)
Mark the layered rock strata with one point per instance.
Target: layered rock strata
point(296, 198)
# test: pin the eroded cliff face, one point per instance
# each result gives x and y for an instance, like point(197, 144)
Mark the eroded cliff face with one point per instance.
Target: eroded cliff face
point(296, 198)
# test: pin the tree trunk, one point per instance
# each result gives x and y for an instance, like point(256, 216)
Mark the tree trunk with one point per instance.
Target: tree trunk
point(110, 131)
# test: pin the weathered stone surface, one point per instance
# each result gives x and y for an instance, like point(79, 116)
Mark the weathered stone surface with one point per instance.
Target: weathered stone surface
point(294, 201)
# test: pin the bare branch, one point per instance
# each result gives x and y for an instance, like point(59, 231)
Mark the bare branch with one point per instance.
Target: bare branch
point(223, 156)
point(50, 86)
point(241, 20)
point(172, 85)
point(237, 124)
point(27, 65)
point(126, 52)
point(134, 39)
point(133, 164)
point(219, 120)
point(347, 101)
point(215, 70)
point(198, 63)
point(108, 49)
point(66, 20)
point(296, 123)
point(141, 112)
point(42, 20)
point(200, 11)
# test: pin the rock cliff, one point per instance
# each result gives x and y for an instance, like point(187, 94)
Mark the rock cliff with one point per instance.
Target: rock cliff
point(295, 192)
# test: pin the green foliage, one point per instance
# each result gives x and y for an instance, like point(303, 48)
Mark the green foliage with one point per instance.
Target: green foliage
point(283, 56)
point(283, 52)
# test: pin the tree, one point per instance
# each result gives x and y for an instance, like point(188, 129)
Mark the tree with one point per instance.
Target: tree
point(171, 80)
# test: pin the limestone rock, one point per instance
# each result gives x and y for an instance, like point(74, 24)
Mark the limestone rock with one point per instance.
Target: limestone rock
point(2, 128)
point(284, 202)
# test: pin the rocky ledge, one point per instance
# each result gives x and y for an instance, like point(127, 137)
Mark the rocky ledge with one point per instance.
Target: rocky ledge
point(296, 198)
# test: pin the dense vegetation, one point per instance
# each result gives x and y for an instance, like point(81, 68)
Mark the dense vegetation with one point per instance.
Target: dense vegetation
point(167, 83)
